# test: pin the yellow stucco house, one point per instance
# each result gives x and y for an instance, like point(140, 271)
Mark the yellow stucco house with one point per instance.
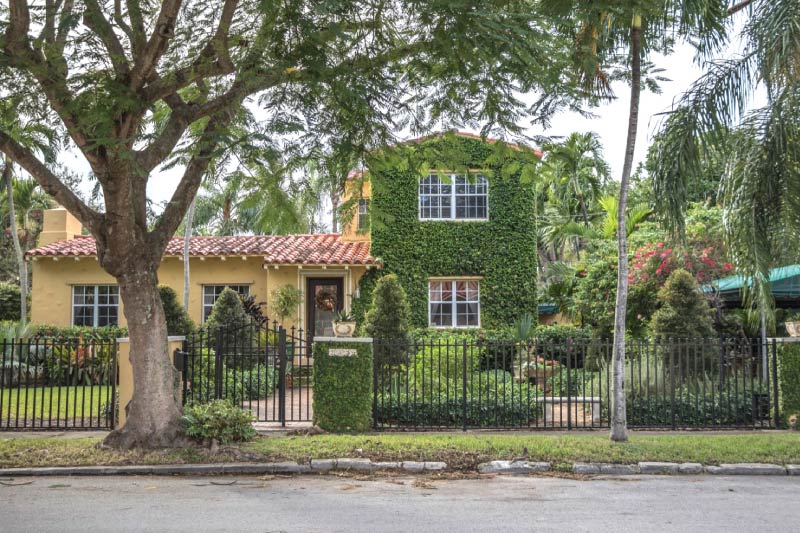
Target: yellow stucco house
point(70, 288)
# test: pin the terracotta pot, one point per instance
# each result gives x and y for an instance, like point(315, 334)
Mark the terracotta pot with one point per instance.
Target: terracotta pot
point(793, 328)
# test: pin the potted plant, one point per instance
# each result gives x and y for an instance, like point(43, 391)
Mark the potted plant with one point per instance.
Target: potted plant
point(344, 325)
point(793, 325)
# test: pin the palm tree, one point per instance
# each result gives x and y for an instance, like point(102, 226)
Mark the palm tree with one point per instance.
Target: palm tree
point(573, 174)
point(575, 171)
point(600, 30)
point(760, 187)
point(35, 136)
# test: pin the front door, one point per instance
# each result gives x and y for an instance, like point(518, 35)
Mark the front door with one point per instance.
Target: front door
point(324, 297)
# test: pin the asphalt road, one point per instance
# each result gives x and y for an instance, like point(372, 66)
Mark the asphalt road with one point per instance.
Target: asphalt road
point(329, 504)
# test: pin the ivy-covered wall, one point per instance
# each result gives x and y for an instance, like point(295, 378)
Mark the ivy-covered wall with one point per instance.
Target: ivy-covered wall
point(502, 250)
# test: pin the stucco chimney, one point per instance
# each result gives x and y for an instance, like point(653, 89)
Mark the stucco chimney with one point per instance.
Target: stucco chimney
point(58, 225)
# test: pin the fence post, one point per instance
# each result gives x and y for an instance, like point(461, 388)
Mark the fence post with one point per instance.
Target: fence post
point(569, 387)
point(282, 376)
point(777, 416)
point(113, 376)
point(375, 384)
point(464, 383)
point(218, 365)
point(672, 381)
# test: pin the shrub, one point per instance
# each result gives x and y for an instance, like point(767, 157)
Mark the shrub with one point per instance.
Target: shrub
point(9, 301)
point(343, 387)
point(285, 301)
point(178, 321)
point(684, 312)
point(691, 409)
point(516, 409)
point(562, 343)
point(87, 333)
point(238, 386)
point(227, 311)
point(219, 420)
point(789, 379)
point(387, 319)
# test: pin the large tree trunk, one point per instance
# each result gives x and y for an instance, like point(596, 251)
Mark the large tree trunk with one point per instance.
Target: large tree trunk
point(21, 266)
point(187, 235)
point(619, 423)
point(154, 413)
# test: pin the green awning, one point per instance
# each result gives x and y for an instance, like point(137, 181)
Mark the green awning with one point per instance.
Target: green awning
point(785, 283)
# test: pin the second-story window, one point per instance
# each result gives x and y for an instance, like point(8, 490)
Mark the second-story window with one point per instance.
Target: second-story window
point(458, 198)
point(363, 214)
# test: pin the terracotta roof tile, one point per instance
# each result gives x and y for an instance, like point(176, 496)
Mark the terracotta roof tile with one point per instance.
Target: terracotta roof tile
point(314, 249)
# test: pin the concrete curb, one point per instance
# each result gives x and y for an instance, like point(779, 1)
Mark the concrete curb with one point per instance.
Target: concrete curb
point(366, 465)
point(287, 467)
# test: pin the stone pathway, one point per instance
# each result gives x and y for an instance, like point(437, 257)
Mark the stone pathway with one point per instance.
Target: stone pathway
point(299, 406)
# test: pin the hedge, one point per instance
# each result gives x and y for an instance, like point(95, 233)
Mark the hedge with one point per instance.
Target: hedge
point(9, 301)
point(502, 250)
point(442, 411)
point(692, 410)
point(789, 379)
point(343, 387)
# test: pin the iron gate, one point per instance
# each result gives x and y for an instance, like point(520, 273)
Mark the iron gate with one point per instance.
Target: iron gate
point(261, 367)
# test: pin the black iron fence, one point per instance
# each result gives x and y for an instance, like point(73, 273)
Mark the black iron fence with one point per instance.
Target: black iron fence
point(539, 384)
point(257, 366)
point(58, 384)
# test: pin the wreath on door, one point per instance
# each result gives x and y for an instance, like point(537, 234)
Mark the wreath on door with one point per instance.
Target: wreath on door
point(326, 300)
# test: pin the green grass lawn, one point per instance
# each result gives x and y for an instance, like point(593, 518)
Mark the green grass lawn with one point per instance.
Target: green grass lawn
point(460, 451)
point(44, 403)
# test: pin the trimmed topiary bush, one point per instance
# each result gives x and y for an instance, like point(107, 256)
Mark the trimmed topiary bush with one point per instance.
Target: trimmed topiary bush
point(219, 420)
point(285, 301)
point(228, 310)
point(684, 313)
point(178, 321)
point(387, 320)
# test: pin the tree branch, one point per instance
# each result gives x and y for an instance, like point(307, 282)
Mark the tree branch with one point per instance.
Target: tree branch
point(137, 26)
point(158, 150)
point(95, 20)
point(164, 30)
point(735, 8)
point(50, 183)
point(63, 26)
point(121, 21)
point(213, 60)
point(187, 188)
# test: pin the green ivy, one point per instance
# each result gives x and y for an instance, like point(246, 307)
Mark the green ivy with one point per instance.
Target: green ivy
point(502, 250)
point(343, 387)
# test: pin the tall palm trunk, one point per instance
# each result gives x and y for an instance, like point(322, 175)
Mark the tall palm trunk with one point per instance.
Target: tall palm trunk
point(21, 266)
point(334, 209)
point(187, 236)
point(619, 424)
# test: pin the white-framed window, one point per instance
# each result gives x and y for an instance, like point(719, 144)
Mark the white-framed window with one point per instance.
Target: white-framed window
point(212, 292)
point(95, 305)
point(458, 198)
point(363, 214)
point(454, 303)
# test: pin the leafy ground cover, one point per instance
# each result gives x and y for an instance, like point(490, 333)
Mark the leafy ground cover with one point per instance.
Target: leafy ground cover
point(460, 451)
